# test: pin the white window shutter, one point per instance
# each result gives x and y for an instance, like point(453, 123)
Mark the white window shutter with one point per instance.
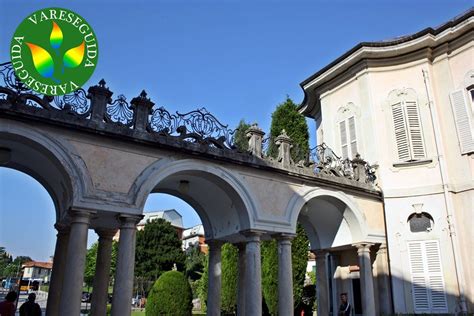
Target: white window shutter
point(418, 281)
point(344, 145)
point(352, 136)
point(401, 134)
point(463, 121)
point(428, 288)
point(435, 275)
point(415, 131)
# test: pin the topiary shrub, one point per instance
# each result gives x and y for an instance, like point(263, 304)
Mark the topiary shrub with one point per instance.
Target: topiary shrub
point(170, 295)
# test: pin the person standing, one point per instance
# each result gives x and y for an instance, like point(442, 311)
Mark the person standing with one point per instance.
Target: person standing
point(345, 307)
point(30, 307)
point(7, 307)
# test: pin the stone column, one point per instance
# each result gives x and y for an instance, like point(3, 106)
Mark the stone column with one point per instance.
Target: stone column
point(241, 282)
point(383, 281)
point(214, 278)
point(102, 272)
point(75, 261)
point(57, 275)
point(285, 275)
point(366, 279)
point(123, 284)
point(253, 275)
point(322, 282)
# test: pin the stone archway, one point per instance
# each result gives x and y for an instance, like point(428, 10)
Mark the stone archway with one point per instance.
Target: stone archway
point(220, 198)
point(27, 150)
point(44, 159)
point(338, 234)
point(226, 208)
point(330, 218)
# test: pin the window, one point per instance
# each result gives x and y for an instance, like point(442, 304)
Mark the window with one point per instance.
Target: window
point(408, 130)
point(462, 118)
point(427, 280)
point(421, 222)
point(347, 130)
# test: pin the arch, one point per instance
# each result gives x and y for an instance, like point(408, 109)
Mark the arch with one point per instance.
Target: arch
point(225, 187)
point(46, 160)
point(350, 217)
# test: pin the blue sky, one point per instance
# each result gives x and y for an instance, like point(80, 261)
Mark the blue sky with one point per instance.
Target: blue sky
point(239, 59)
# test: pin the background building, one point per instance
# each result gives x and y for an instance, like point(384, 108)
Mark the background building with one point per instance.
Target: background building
point(407, 104)
point(193, 237)
point(37, 271)
point(172, 216)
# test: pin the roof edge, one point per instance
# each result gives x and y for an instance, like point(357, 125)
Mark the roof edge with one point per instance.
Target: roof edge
point(429, 30)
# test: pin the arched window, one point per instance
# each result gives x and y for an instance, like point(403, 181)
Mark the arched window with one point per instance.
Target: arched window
point(407, 125)
point(420, 222)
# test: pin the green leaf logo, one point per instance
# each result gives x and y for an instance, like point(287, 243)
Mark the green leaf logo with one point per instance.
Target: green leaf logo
point(42, 60)
point(56, 37)
point(54, 51)
point(74, 56)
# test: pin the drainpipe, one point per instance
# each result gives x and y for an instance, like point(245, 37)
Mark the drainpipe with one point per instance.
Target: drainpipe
point(447, 199)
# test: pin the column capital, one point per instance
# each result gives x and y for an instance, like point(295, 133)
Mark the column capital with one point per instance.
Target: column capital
point(80, 216)
point(321, 253)
point(62, 228)
point(214, 243)
point(106, 234)
point(252, 235)
point(284, 237)
point(363, 247)
point(129, 220)
point(382, 249)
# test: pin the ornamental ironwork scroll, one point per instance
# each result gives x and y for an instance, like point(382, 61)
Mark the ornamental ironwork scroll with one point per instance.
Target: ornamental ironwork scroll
point(119, 112)
point(197, 126)
point(12, 89)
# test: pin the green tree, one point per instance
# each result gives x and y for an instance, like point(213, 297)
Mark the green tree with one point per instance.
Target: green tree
point(5, 260)
point(286, 117)
point(170, 295)
point(89, 269)
point(230, 257)
point(194, 263)
point(299, 258)
point(91, 257)
point(158, 249)
point(239, 138)
point(202, 284)
point(270, 275)
point(13, 268)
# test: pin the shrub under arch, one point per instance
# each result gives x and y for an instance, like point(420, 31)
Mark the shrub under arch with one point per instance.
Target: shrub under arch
point(170, 295)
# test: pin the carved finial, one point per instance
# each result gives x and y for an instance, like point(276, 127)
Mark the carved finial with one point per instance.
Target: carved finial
point(143, 94)
point(102, 83)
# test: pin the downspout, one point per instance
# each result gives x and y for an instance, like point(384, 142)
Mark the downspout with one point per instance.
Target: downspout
point(447, 199)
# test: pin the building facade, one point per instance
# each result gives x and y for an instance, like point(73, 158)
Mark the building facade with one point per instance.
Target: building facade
point(195, 237)
point(37, 271)
point(407, 104)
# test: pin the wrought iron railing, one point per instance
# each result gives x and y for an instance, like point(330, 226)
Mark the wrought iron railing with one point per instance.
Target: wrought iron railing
point(198, 126)
point(13, 89)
